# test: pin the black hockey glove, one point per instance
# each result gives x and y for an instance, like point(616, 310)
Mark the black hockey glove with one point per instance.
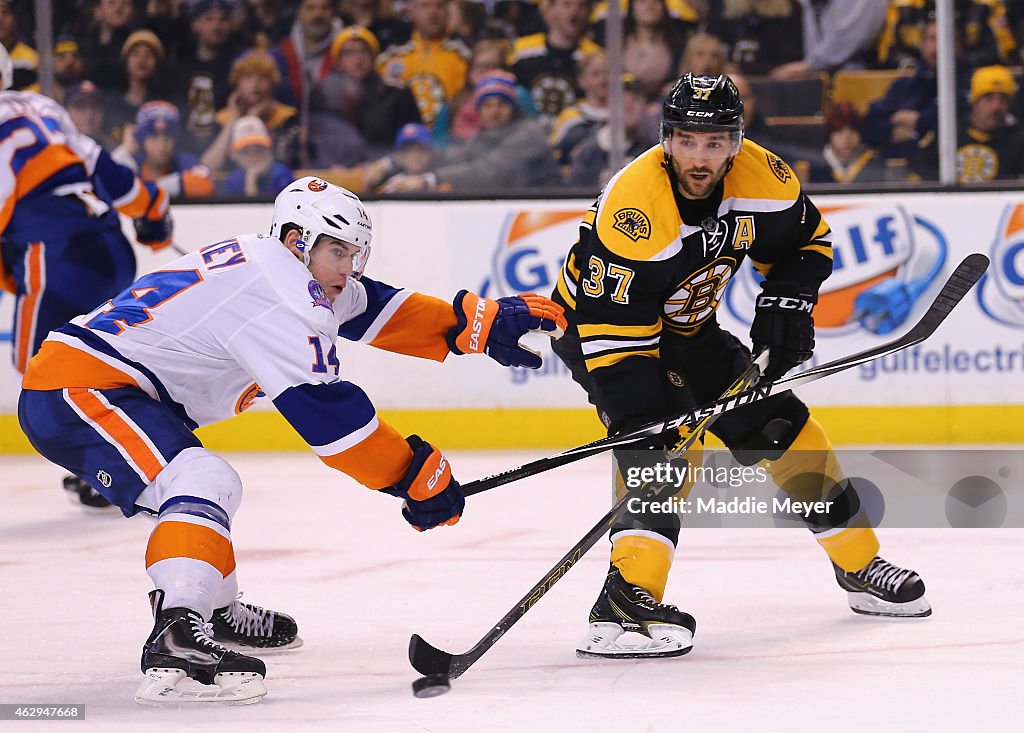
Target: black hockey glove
point(783, 323)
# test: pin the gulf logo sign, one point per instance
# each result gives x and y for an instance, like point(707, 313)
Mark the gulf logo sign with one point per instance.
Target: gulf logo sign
point(531, 247)
point(884, 259)
point(1001, 292)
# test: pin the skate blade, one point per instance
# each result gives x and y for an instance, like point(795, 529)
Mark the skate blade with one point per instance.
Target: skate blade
point(164, 686)
point(867, 605)
point(667, 640)
point(263, 650)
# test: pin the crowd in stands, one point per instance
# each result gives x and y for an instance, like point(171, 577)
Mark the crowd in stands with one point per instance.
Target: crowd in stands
point(234, 97)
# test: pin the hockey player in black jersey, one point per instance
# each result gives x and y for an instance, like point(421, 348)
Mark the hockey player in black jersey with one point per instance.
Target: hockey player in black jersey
point(641, 287)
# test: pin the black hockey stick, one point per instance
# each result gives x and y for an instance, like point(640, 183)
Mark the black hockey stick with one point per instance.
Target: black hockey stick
point(427, 659)
point(959, 283)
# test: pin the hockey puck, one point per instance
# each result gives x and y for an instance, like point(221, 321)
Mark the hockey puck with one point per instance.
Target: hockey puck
point(431, 686)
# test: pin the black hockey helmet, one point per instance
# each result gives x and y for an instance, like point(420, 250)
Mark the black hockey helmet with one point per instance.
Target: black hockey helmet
point(703, 103)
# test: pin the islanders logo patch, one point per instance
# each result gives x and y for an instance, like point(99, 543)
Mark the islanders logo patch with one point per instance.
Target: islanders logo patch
point(633, 223)
point(316, 290)
point(317, 185)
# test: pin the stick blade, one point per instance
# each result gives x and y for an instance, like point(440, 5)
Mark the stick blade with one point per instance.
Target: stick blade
point(428, 659)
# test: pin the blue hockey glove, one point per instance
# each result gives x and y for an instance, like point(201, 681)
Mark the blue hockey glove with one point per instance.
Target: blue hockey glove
point(155, 228)
point(494, 327)
point(433, 497)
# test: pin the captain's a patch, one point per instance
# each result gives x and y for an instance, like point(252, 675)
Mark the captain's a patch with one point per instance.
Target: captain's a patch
point(633, 223)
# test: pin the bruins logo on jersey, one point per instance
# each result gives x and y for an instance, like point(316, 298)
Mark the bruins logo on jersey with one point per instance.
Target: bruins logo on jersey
point(779, 167)
point(697, 297)
point(429, 93)
point(633, 223)
point(977, 163)
point(552, 93)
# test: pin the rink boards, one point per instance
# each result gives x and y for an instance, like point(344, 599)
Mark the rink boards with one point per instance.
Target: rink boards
point(964, 385)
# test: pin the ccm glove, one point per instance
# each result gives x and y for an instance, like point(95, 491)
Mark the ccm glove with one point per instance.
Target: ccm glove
point(494, 327)
point(155, 228)
point(783, 324)
point(432, 496)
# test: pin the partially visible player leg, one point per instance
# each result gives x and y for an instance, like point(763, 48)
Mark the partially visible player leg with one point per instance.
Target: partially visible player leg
point(63, 272)
point(124, 438)
point(802, 463)
point(643, 545)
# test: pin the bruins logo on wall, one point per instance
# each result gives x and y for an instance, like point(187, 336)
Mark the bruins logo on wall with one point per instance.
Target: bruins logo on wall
point(779, 167)
point(633, 223)
point(697, 297)
point(976, 163)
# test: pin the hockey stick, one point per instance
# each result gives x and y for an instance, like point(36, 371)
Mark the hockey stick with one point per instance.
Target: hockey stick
point(427, 659)
point(959, 283)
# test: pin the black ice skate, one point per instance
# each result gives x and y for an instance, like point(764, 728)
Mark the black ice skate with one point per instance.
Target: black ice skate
point(179, 653)
point(883, 589)
point(245, 626)
point(622, 607)
point(82, 494)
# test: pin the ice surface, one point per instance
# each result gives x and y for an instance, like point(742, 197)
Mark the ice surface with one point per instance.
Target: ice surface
point(776, 649)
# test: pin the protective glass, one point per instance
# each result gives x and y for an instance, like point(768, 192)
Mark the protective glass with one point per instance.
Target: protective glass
point(704, 145)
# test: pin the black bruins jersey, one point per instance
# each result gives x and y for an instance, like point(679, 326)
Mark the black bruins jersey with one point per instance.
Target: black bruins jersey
point(650, 264)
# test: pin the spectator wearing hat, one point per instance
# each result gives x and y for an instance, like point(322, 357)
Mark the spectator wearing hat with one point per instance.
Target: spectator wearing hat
point(433, 64)
point(254, 76)
point(143, 56)
point(300, 56)
point(84, 104)
point(204, 66)
point(845, 158)
point(103, 41)
point(68, 66)
point(414, 155)
point(990, 142)
point(24, 58)
point(150, 149)
point(256, 172)
point(458, 119)
point(352, 90)
point(589, 163)
point(386, 28)
point(510, 152)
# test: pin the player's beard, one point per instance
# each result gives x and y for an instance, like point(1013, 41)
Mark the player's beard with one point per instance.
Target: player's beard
point(700, 189)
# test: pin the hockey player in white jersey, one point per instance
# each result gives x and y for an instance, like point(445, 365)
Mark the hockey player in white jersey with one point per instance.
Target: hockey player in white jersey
point(114, 396)
point(63, 251)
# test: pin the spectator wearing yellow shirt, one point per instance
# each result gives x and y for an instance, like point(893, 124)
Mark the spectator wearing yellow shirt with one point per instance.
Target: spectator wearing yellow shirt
point(432, 64)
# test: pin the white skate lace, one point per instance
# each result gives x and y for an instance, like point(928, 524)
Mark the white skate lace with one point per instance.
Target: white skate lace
point(203, 632)
point(644, 595)
point(884, 574)
point(250, 620)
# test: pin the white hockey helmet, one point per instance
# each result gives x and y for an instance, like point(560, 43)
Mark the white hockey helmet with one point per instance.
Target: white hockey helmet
point(6, 69)
point(318, 209)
